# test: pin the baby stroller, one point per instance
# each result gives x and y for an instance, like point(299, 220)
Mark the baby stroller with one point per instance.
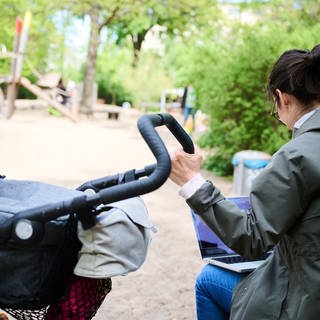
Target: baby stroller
point(39, 245)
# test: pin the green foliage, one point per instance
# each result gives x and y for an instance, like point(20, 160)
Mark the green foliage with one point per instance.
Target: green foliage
point(110, 83)
point(147, 81)
point(230, 78)
point(118, 81)
point(112, 91)
point(219, 164)
point(54, 112)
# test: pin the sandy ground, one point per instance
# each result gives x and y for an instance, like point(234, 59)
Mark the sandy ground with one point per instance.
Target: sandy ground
point(36, 146)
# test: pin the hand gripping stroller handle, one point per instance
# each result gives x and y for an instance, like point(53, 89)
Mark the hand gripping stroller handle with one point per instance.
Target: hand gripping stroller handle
point(161, 171)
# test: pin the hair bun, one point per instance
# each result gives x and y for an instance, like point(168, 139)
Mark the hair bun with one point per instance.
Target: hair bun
point(297, 72)
point(313, 56)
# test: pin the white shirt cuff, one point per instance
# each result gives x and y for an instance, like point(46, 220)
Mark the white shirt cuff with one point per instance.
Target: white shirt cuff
point(190, 187)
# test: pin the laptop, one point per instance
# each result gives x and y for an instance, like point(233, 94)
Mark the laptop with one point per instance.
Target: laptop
point(214, 251)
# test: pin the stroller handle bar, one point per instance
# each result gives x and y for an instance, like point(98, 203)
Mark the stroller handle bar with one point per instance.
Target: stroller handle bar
point(146, 126)
point(113, 191)
point(158, 176)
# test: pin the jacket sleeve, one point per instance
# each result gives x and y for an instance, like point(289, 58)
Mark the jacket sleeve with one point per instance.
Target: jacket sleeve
point(279, 195)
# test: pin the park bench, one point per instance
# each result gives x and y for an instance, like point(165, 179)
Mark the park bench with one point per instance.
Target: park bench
point(111, 111)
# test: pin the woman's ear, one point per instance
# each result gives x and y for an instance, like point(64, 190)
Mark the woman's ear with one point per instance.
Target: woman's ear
point(284, 98)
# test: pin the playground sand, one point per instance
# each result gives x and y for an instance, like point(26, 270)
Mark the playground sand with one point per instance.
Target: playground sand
point(40, 147)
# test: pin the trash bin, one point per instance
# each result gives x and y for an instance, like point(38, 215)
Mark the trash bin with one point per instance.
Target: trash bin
point(247, 165)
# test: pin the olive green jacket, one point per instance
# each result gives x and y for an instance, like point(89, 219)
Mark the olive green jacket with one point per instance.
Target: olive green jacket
point(285, 214)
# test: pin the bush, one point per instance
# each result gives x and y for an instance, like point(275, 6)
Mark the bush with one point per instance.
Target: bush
point(230, 84)
point(119, 81)
point(111, 86)
point(112, 90)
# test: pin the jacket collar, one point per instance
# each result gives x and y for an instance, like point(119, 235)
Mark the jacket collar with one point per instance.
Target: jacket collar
point(312, 124)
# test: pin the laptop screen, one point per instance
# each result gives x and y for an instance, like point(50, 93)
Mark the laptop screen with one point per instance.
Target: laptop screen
point(209, 242)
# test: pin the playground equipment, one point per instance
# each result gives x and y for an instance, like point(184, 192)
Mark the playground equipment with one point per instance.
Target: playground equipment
point(11, 83)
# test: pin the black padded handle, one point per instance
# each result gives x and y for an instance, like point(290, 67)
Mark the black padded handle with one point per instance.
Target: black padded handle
point(172, 124)
point(146, 126)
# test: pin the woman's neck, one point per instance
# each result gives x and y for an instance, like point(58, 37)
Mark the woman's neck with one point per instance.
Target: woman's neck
point(303, 117)
point(301, 110)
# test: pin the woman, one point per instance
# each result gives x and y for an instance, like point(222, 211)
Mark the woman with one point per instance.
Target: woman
point(285, 214)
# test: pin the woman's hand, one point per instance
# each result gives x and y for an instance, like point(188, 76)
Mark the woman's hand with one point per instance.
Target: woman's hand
point(185, 166)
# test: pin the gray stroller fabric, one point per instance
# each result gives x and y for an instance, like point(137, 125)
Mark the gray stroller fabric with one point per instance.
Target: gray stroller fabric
point(34, 275)
point(18, 195)
point(118, 243)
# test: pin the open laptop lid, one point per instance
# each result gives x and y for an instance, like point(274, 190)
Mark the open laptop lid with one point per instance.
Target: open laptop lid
point(209, 243)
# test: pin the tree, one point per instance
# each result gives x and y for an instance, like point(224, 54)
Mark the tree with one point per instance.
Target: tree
point(229, 71)
point(102, 13)
point(131, 17)
point(175, 16)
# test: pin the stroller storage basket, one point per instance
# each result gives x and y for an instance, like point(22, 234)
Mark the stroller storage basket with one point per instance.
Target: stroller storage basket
point(38, 239)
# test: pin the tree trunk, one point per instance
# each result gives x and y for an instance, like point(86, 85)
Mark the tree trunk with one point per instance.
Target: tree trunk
point(137, 40)
point(87, 100)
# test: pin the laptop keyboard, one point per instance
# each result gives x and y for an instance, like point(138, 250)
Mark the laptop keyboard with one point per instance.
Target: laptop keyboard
point(236, 259)
point(232, 259)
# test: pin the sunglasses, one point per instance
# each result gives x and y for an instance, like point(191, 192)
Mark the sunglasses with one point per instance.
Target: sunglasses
point(274, 109)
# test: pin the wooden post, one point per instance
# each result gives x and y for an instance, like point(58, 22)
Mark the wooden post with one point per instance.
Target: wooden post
point(12, 82)
point(18, 63)
point(22, 44)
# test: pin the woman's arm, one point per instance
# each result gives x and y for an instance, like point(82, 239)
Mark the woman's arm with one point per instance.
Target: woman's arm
point(278, 198)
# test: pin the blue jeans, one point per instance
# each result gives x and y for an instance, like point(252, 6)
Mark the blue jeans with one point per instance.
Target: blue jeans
point(214, 287)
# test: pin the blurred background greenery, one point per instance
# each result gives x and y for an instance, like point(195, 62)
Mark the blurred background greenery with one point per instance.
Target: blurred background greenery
point(135, 50)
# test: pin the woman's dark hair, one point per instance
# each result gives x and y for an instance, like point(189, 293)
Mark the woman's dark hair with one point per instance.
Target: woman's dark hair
point(297, 72)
